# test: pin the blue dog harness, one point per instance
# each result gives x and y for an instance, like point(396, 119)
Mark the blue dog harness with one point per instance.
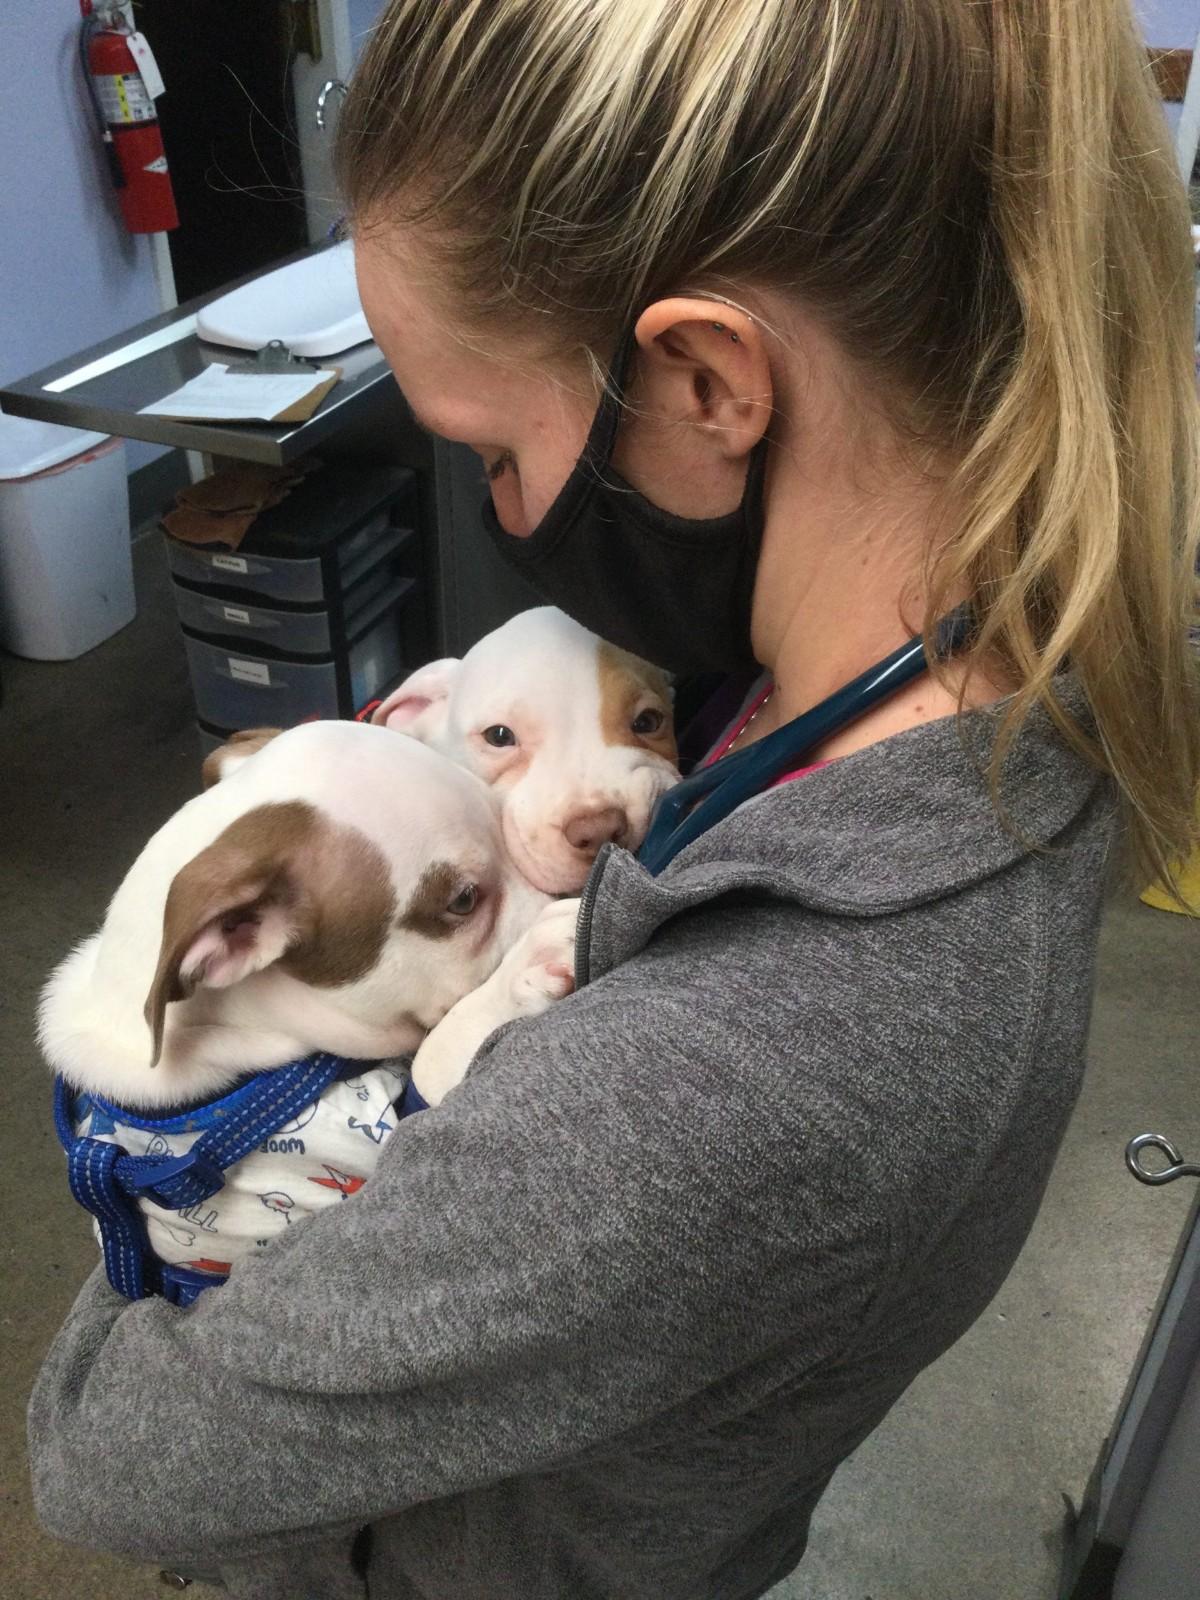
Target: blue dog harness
point(109, 1182)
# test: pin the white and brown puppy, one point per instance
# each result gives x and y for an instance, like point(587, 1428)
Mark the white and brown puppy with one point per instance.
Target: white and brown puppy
point(574, 736)
point(339, 891)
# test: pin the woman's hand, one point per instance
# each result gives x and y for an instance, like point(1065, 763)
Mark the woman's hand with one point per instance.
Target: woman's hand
point(539, 969)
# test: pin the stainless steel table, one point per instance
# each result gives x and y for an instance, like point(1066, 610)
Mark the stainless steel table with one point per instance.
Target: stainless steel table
point(468, 589)
point(104, 388)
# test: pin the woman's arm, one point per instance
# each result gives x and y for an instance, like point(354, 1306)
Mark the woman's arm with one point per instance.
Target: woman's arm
point(605, 1220)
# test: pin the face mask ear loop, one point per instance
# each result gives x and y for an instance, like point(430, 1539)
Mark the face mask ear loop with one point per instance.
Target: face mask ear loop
point(602, 440)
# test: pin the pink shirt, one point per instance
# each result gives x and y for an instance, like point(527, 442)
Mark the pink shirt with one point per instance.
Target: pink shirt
point(734, 733)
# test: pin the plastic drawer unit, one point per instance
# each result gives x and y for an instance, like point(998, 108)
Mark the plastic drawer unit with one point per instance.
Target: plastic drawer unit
point(294, 577)
point(300, 550)
point(319, 608)
point(235, 689)
point(299, 630)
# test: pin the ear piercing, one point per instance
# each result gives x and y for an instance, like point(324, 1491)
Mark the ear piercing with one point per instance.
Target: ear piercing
point(720, 328)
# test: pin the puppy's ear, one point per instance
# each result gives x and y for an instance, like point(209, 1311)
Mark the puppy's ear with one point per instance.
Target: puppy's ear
point(421, 705)
point(234, 909)
point(240, 747)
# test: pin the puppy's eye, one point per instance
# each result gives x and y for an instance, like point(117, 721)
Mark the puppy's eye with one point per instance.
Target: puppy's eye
point(499, 737)
point(464, 901)
point(648, 721)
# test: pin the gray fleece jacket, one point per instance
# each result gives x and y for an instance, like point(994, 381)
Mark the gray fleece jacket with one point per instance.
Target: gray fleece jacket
point(603, 1324)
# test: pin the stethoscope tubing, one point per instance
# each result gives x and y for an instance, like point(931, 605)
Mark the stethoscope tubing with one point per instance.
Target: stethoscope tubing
point(698, 803)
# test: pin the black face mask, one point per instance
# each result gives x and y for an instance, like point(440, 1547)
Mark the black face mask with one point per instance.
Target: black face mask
point(674, 590)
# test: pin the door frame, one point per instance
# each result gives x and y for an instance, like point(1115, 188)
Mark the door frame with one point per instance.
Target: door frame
point(309, 76)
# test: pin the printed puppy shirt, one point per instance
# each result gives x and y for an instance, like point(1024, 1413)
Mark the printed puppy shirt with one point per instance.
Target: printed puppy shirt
point(318, 1159)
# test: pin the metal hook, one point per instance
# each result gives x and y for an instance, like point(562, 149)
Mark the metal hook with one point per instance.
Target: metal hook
point(326, 90)
point(1156, 1141)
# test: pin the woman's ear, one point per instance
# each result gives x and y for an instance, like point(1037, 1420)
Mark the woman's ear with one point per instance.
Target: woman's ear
point(705, 364)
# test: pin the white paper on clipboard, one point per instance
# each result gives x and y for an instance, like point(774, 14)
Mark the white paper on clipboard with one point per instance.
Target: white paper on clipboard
point(224, 396)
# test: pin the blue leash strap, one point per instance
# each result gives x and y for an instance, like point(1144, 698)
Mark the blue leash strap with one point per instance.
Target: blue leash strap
point(108, 1182)
point(181, 1285)
point(410, 1101)
point(710, 795)
point(176, 1182)
point(91, 1170)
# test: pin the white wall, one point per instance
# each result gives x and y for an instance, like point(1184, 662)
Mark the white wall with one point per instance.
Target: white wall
point(362, 15)
point(1170, 24)
point(69, 272)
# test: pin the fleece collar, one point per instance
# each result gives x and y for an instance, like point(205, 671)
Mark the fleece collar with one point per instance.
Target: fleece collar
point(903, 822)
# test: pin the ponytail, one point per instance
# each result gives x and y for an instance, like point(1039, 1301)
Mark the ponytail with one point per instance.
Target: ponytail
point(1082, 534)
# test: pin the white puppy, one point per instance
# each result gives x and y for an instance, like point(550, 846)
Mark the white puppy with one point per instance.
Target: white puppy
point(573, 734)
point(338, 893)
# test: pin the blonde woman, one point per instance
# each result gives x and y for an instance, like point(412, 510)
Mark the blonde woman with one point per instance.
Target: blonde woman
point(784, 329)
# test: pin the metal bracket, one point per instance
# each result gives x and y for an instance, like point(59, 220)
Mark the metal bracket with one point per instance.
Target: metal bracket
point(1178, 1168)
point(306, 24)
point(273, 357)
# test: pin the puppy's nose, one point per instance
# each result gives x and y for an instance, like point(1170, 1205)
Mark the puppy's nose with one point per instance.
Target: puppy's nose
point(588, 830)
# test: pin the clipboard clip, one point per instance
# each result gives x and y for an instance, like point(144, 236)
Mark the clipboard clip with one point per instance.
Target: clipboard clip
point(273, 357)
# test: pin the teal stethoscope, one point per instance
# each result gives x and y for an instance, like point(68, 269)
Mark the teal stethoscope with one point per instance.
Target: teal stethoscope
point(710, 795)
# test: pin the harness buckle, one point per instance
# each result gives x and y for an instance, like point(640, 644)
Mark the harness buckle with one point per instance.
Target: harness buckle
point(178, 1181)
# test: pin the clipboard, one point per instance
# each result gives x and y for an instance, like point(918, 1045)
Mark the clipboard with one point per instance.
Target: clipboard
point(214, 396)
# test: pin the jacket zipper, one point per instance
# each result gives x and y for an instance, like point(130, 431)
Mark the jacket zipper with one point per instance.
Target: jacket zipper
point(587, 903)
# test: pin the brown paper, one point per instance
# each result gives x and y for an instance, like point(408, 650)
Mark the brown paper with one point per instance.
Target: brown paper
point(243, 486)
point(201, 527)
point(222, 507)
point(303, 409)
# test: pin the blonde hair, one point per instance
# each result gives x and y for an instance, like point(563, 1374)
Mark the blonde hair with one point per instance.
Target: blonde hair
point(978, 201)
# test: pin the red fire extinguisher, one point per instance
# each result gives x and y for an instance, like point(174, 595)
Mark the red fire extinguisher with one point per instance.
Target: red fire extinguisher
point(127, 120)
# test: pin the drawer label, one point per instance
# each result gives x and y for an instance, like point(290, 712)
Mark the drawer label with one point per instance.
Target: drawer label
point(233, 614)
point(249, 671)
point(230, 563)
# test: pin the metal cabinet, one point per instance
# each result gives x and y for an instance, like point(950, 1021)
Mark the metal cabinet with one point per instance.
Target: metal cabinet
point(1138, 1534)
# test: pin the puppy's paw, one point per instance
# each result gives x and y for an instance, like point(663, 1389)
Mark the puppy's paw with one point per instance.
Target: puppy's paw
point(546, 979)
point(543, 960)
point(539, 969)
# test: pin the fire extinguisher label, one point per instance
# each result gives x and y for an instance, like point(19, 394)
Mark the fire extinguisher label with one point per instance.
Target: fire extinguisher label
point(124, 99)
point(159, 164)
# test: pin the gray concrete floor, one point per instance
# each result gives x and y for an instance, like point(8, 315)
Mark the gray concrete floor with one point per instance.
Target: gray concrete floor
point(958, 1494)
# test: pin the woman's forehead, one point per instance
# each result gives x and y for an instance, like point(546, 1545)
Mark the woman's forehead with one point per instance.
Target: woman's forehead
point(412, 331)
point(452, 389)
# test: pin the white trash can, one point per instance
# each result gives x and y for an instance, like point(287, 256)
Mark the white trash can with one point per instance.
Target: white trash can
point(66, 572)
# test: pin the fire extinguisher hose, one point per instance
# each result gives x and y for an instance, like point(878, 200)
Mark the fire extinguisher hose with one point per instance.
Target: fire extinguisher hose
point(91, 25)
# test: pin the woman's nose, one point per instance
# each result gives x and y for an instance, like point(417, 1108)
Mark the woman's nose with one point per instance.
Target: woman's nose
point(588, 830)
